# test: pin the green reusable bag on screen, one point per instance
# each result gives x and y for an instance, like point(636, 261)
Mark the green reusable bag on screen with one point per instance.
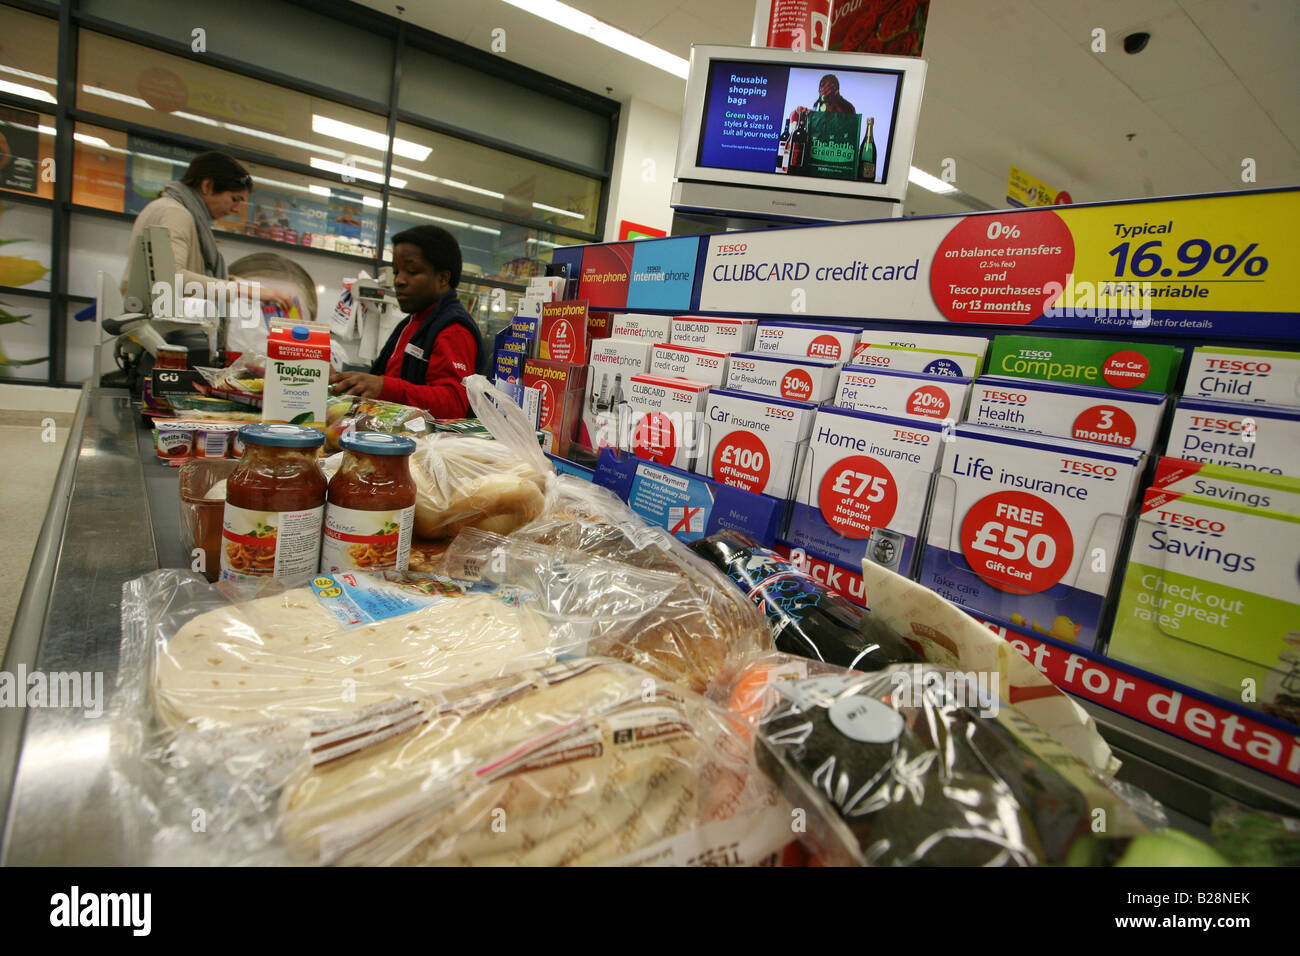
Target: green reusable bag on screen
point(833, 145)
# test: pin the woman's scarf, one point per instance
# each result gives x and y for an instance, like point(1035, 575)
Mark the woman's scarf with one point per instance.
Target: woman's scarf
point(213, 263)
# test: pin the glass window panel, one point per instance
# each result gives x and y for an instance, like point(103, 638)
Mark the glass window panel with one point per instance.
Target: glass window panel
point(25, 254)
point(29, 54)
point(25, 346)
point(124, 173)
point(490, 249)
point(26, 152)
point(442, 90)
point(287, 38)
point(173, 94)
point(495, 180)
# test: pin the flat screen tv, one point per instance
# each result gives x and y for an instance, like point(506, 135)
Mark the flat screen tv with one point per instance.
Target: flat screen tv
point(797, 135)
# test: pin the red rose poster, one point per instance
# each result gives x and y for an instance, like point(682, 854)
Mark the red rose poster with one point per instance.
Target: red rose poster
point(895, 27)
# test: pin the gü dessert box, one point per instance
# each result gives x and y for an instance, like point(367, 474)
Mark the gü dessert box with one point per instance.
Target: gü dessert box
point(609, 373)
point(752, 441)
point(1109, 416)
point(863, 490)
point(834, 342)
point(1027, 528)
point(783, 376)
point(561, 387)
point(721, 335)
point(664, 418)
point(906, 394)
point(684, 361)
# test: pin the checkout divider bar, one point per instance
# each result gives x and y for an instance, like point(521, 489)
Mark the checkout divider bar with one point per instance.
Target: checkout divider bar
point(29, 617)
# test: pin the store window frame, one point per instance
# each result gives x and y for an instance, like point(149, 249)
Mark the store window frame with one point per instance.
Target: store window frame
point(404, 37)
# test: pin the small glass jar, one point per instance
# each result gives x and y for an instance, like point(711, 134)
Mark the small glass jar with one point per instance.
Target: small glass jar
point(371, 508)
point(175, 357)
point(275, 505)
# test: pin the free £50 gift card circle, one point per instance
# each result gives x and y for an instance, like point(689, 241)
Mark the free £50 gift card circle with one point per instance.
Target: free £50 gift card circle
point(1017, 542)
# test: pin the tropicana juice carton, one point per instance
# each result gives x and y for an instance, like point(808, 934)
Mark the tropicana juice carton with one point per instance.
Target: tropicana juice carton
point(296, 388)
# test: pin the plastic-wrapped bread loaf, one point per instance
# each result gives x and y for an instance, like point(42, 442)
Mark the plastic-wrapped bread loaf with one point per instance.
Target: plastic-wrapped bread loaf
point(472, 482)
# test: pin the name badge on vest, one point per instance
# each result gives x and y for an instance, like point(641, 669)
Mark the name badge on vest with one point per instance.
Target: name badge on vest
point(414, 350)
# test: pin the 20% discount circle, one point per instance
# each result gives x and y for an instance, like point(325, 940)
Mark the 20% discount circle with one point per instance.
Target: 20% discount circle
point(856, 495)
point(1017, 542)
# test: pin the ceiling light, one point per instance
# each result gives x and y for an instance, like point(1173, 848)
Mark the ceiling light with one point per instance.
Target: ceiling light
point(920, 177)
point(14, 71)
point(561, 14)
point(319, 191)
point(31, 92)
point(450, 182)
point(344, 170)
point(367, 137)
point(562, 212)
point(371, 201)
point(114, 95)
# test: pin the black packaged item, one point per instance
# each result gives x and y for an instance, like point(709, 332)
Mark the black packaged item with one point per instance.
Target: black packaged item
point(807, 618)
point(893, 771)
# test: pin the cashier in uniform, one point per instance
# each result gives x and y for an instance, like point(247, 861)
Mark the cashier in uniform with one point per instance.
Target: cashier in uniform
point(437, 345)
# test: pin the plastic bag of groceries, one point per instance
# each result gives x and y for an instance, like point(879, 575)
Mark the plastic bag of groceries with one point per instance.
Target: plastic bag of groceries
point(349, 413)
point(917, 764)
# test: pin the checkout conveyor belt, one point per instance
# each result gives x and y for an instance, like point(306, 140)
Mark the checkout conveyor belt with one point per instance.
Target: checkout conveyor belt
point(114, 515)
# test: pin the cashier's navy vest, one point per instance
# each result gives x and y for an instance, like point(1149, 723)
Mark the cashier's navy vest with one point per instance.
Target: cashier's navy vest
point(446, 311)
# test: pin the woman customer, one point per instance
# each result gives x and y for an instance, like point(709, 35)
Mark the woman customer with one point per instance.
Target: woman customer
point(438, 344)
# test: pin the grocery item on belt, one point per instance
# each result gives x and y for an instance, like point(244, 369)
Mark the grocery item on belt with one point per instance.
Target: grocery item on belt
point(685, 361)
point(586, 762)
point(1244, 375)
point(806, 617)
point(342, 644)
point(783, 376)
point(1211, 596)
point(864, 489)
point(275, 506)
point(687, 626)
point(721, 335)
point(297, 375)
point(1132, 365)
point(613, 363)
point(645, 328)
point(370, 505)
point(349, 413)
point(174, 440)
point(753, 441)
point(464, 482)
point(1107, 416)
point(834, 342)
point(1253, 437)
point(663, 421)
point(1238, 486)
point(1027, 528)
point(907, 394)
point(912, 765)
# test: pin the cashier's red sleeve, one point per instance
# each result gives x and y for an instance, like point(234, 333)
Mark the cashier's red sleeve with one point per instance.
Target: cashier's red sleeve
point(455, 355)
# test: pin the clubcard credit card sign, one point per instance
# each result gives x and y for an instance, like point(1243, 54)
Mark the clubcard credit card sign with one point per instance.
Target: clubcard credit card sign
point(1027, 529)
point(699, 365)
point(863, 491)
point(724, 335)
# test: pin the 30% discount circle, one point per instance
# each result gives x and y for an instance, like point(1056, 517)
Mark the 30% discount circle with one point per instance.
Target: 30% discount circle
point(1017, 542)
point(857, 494)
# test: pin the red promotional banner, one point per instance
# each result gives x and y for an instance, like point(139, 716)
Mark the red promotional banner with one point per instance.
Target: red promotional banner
point(1184, 714)
point(799, 24)
point(606, 273)
point(896, 27)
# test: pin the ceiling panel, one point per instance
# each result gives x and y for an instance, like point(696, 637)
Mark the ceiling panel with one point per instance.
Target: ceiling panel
point(1256, 37)
point(1178, 59)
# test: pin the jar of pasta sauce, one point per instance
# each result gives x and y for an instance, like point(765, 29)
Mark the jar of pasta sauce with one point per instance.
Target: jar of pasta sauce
point(275, 506)
point(371, 507)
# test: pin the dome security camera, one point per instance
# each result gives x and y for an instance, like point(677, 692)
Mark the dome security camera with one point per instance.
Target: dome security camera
point(1136, 42)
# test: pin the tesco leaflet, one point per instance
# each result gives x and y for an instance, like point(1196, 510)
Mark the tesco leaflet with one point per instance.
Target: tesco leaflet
point(910, 394)
point(723, 335)
point(648, 328)
point(1108, 416)
point(864, 488)
point(1027, 528)
point(1237, 486)
point(906, 358)
point(1244, 375)
point(753, 440)
point(784, 376)
point(663, 419)
point(834, 342)
point(894, 338)
point(684, 361)
point(1257, 437)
